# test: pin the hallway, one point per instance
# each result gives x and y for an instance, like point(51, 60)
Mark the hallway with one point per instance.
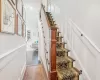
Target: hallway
point(32, 58)
point(49, 40)
point(34, 68)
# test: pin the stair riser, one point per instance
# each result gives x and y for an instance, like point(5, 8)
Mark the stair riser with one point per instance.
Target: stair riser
point(67, 65)
point(62, 45)
point(50, 18)
point(59, 39)
point(70, 64)
point(60, 54)
point(66, 54)
point(62, 65)
point(58, 34)
point(52, 22)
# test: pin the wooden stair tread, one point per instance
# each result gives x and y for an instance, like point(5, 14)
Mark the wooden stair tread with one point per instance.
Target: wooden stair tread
point(69, 58)
point(58, 32)
point(66, 58)
point(59, 36)
point(59, 42)
point(61, 59)
point(62, 63)
point(67, 73)
point(61, 49)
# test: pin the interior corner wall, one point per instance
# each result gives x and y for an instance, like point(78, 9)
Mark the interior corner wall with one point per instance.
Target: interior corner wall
point(79, 22)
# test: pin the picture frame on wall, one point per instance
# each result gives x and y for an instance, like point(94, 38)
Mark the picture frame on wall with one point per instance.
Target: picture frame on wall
point(24, 14)
point(24, 30)
point(19, 6)
point(19, 26)
point(7, 17)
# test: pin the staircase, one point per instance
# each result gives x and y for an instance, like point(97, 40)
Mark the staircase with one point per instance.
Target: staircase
point(64, 63)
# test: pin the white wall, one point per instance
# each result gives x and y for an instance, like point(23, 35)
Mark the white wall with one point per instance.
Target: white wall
point(41, 48)
point(13, 47)
point(32, 14)
point(76, 17)
point(12, 57)
point(44, 43)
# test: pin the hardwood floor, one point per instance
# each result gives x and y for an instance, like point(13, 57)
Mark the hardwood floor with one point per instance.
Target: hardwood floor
point(35, 73)
point(32, 58)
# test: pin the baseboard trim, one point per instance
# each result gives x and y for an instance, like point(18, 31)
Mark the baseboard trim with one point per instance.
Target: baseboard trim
point(79, 62)
point(22, 72)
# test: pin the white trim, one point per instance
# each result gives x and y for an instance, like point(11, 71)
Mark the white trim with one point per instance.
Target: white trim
point(22, 72)
point(11, 51)
point(84, 35)
point(83, 69)
point(76, 57)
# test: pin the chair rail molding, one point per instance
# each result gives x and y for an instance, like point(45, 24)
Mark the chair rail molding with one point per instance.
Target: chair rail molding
point(11, 51)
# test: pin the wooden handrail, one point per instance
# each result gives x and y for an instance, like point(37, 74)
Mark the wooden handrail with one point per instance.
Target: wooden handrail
point(53, 72)
point(46, 15)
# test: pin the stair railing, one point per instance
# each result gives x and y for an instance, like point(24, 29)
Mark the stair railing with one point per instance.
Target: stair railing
point(50, 44)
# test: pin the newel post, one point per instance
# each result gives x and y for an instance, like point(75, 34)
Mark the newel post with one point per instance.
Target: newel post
point(53, 72)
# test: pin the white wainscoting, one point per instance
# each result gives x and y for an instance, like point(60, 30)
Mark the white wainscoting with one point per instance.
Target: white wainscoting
point(12, 57)
point(83, 50)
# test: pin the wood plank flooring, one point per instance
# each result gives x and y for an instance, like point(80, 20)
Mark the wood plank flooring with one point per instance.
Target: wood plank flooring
point(35, 73)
